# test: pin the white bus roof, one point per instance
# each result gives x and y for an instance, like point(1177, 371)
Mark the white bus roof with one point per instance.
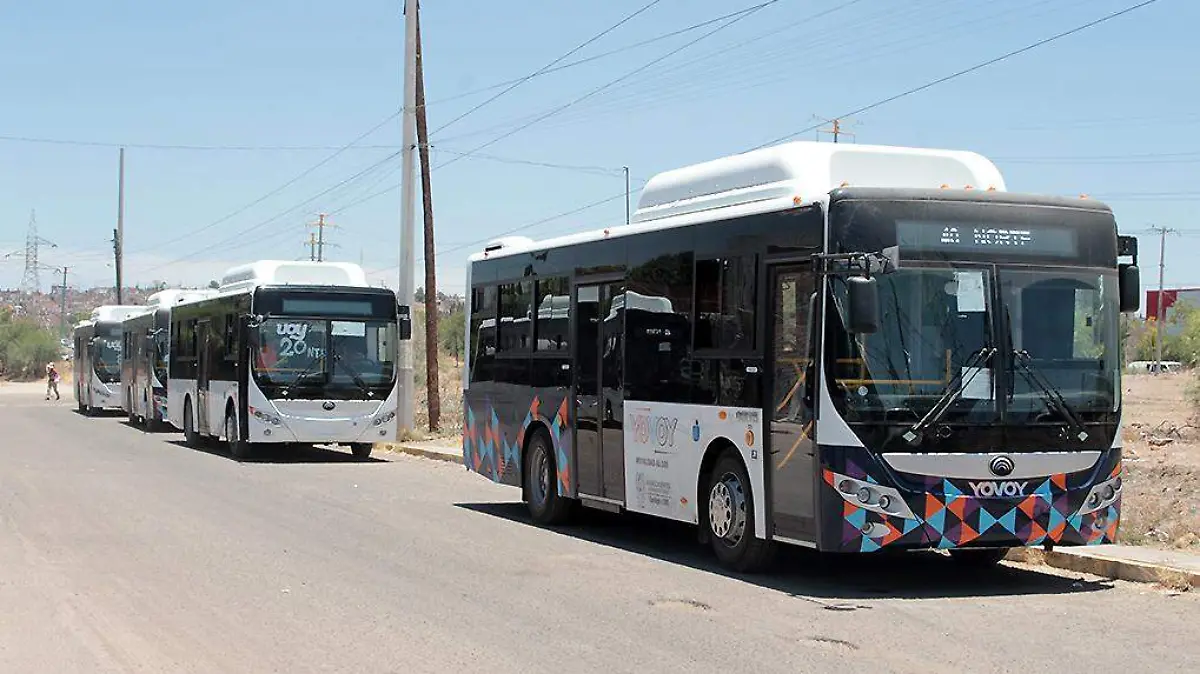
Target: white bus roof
point(172, 296)
point(278, 272)
point(775, 179)
point(116, 312)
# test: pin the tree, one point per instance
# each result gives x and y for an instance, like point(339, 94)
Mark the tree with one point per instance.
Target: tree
point(451, 334)
point(25, 347)
point(214, 285)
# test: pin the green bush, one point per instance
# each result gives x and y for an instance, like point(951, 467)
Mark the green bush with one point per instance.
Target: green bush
point(25, 348)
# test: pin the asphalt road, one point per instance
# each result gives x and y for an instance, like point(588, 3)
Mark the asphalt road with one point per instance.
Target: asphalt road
point(126, 552)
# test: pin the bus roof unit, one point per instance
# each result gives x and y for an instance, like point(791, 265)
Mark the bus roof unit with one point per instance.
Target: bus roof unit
point(778, 177)
point(303, 273)
point(116, 312)
point(172, 296)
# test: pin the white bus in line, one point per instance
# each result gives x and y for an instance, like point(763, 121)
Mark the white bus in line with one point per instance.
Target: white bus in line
point(98, 348)
point(856, 348)
point(287, 353)
point(145, 352)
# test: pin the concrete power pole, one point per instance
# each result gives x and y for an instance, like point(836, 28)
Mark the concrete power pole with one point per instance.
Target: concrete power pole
point(404, 288)
point(119, 235)
point(62, 305)
point(320, 243)
point(432, 387)
point(1160, 310)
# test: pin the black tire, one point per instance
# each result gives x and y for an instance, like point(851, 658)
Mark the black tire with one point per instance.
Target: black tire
point(541, 483)
point(729, 516)
point(239, 449)
point(361, 450)
point(978, 558)
point(190, 436)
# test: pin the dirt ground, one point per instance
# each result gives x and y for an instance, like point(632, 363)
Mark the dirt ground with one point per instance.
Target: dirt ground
point(1162, 462)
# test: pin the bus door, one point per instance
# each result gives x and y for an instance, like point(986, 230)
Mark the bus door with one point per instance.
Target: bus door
point(790, 440)
point(203, 374)
point(599, 390)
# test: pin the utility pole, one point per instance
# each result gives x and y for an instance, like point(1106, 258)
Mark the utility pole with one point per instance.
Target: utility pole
point(62, 305)
point(1160, 310)
point(320, 243)
point(119, 235)
point(116, 241)
point(312, 247)
point(626, 168)
point(835, 129)
point(432, 388)
point(404, 289)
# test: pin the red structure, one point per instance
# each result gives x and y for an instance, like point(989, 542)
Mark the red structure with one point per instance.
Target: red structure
point(1170, 297)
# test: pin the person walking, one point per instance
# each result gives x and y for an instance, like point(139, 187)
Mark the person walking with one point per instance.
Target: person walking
point(52, 381)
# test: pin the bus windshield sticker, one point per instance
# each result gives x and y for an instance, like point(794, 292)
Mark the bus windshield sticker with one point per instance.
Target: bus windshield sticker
point(970, 291)
point(348, 329)
point(977, 383)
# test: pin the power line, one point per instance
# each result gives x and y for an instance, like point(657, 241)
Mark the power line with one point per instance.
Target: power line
point(549, 65)
point(300, 176)
point(966, 71)
point(195, 147)
point(751, 11)
point(277, 216)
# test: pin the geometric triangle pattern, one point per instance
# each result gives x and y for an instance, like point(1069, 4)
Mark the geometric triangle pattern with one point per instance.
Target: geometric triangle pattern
point(948, 515)
point(494, 450)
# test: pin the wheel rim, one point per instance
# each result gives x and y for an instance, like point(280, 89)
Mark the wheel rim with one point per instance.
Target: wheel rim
point(541, 471)
point(230, 430)
point(727, 509)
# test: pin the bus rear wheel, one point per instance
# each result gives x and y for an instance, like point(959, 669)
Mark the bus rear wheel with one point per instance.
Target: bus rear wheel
point(730, 517)
point(546, 506)
point(361, 450)
point(190, 436)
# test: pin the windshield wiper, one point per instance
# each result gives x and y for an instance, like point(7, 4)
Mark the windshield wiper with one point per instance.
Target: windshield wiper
point(358, 380)
point(287, 390)
point(957, 384)
point(1049, 394)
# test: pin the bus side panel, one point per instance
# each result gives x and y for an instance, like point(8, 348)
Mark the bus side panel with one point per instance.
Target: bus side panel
point(951, 513)
point(496, 427)
point(665, 444)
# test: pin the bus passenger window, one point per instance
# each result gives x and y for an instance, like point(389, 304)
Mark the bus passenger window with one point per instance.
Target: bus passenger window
point(725, 290)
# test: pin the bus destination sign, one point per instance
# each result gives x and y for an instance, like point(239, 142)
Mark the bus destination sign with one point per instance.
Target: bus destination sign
point(945, 236)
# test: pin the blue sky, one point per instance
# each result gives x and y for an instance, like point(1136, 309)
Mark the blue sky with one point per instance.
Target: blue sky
point(1112, 112)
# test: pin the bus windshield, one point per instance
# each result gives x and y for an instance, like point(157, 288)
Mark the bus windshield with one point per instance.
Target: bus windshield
point(936, 323)
point(161, 347)
point(107, 361)
point(322, 357)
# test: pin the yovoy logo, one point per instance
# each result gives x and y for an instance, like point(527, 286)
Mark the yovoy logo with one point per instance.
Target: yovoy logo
point(994, 489)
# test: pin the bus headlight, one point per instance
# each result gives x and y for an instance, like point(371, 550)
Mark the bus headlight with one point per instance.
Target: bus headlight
point(1101, 496)
point(264, 417)
point(384, 418)
point(874, 497)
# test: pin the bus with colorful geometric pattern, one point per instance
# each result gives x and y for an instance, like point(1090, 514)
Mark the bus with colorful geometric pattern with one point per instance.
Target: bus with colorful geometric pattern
point(844, 347)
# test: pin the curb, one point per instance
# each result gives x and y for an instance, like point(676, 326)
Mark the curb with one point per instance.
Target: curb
point(1085, 561)
point(398, 448)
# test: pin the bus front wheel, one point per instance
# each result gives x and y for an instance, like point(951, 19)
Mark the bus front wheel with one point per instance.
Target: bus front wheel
point(730, 517)
point(239, 449)
point(541, 483)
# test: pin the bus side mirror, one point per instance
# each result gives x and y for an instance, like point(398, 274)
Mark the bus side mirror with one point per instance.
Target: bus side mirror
point(403, 322)
point(862, 305)
point(1130, 282)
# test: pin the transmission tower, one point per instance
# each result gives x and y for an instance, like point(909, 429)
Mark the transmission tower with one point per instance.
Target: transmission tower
point(31, 282)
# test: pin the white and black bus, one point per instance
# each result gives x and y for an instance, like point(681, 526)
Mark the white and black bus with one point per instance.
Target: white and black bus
point(98, 343)
point(287, 353)
point(843, 347)
point(145, 347)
